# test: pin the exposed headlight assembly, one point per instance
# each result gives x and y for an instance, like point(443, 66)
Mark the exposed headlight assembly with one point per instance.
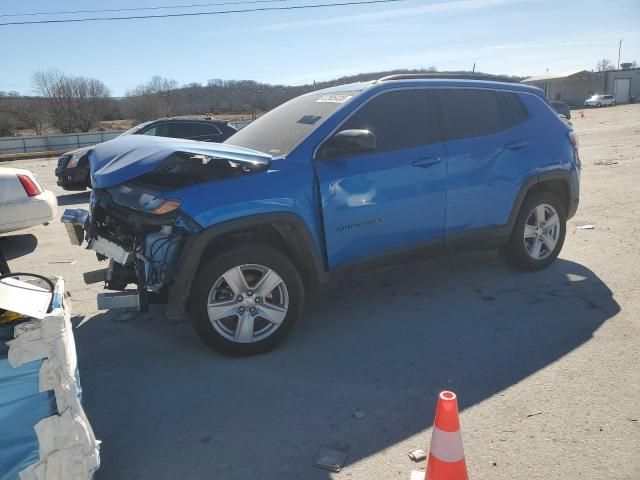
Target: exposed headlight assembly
point(144, 201)
point(161, 206)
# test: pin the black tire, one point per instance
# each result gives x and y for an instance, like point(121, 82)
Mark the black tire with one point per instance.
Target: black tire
point(257, 254)
point(598, 104)
point(515, 251)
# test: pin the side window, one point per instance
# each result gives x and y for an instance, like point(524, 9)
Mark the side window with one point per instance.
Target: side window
point(471, 113)
point(192, 130)
point(204, 130)
point(179, 130)
point(149, 131)
point(159, 130)
point(514, 111)
point(399, 119)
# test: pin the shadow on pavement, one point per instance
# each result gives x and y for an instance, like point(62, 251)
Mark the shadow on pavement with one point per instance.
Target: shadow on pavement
point(166, 407)
point(74, 198)
point(16, 246)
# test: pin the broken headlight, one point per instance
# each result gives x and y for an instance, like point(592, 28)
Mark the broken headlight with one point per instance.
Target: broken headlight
point(161, 206)
point(143, 201)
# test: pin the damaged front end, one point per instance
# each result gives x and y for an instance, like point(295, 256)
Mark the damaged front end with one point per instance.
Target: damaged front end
point(140, 234)
point(138, 225)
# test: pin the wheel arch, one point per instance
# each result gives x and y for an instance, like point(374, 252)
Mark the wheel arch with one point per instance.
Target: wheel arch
point(285, 231)
point(555, 181)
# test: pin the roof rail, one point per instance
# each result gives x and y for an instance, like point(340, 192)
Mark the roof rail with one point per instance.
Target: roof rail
point(455, 76)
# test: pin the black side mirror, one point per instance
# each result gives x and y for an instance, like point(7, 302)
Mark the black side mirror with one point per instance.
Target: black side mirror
point(347, 142)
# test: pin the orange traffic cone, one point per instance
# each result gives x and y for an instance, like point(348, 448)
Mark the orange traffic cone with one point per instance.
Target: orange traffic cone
point(446, 457)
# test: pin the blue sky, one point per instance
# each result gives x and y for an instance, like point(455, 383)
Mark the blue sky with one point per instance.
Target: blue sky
point(523, 37)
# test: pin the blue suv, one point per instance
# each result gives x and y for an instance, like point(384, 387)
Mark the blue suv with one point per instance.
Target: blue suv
point(328, 184)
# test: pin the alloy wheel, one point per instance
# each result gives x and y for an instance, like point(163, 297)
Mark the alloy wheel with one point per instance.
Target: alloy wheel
point(248, 303)
point(542, 231)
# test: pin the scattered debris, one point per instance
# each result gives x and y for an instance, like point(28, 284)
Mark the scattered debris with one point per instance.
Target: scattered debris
point(495, 464)
point(54, 262)
point(417, 455)
point(331, 459)
point(585, 227)
point(605, 162)
point(359, 414)
point(95, 276)
point(488, 298)
point(539, 412)
point(206, 439)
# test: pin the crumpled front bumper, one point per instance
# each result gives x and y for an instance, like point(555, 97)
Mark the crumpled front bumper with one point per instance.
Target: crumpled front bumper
point(150, 265)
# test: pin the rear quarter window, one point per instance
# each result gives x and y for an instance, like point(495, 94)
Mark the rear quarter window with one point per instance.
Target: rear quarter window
point(514, 111)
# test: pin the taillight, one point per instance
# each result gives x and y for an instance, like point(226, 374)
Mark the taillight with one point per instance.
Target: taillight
point(30, 186)
point(573, 138)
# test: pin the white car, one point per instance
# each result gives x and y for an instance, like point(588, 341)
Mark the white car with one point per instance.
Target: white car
point(23, 201)
point(600, 101)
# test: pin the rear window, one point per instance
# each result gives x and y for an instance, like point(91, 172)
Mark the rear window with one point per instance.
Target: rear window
point(283, 128)
point(471, 113)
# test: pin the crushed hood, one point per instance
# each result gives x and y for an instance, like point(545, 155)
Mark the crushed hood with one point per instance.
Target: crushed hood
point(124, 158)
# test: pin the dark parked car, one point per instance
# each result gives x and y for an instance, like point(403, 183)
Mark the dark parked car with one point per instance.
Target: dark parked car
point(562, 108)
point(73, 167)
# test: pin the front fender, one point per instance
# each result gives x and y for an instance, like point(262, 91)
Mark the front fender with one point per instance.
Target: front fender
point(196, 245)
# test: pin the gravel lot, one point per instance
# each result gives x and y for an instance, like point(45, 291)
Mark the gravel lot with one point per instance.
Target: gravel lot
point(546, 365)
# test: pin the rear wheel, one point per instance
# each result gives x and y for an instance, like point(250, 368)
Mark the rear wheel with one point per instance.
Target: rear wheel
point(538, 234)
point(246, 300)
point(598, 104)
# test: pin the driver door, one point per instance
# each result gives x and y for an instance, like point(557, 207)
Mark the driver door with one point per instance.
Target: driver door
point(393, 197)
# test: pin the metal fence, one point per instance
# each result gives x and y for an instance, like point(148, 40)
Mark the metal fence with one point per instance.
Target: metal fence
point(46, 143)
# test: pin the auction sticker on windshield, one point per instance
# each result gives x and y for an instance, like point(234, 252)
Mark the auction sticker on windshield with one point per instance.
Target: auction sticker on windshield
point(333, 98)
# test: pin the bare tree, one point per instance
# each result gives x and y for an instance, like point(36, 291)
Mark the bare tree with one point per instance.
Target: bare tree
point(604, 65)
point(18, 112)
point(32, 113)
point(74, 103)
point(156, 98)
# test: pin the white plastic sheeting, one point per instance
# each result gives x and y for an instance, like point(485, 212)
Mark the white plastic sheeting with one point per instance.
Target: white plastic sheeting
point(67, 446)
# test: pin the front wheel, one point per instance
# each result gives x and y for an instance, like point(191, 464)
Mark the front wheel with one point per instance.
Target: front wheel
point(246, 300)
point(538, 234)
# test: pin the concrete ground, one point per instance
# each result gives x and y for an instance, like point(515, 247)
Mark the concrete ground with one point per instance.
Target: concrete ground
point(546, 365)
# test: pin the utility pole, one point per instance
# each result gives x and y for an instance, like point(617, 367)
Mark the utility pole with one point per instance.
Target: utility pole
point(619, 49)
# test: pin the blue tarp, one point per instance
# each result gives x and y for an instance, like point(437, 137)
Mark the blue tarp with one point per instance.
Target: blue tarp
point(21, 407)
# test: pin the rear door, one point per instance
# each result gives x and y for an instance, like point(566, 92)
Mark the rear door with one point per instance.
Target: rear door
point(394, 197)
point(484, 142)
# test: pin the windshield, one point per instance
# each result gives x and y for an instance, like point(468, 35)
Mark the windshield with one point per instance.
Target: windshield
point(283, 128)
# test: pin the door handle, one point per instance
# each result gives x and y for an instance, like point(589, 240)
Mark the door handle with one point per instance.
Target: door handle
point(426, 162)
point(517, 145)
